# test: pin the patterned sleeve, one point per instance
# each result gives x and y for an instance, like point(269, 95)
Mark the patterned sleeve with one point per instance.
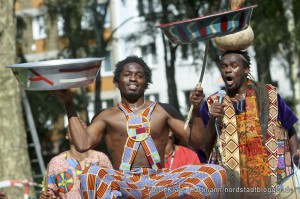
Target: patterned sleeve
point(285, 114)
point(104, 160)
point(52, 186)
point(204, 113)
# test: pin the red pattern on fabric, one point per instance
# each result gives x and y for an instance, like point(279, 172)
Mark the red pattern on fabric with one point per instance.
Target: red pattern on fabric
point(141, 130)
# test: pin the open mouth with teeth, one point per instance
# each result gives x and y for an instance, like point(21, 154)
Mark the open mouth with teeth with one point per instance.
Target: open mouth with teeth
point(132, 86)
point(229, 80)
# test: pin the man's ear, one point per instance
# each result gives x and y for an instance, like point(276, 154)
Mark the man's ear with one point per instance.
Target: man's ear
point(247, 70)
point(170, 134)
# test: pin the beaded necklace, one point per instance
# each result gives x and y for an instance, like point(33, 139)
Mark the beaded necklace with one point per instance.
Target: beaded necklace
point(172, 158)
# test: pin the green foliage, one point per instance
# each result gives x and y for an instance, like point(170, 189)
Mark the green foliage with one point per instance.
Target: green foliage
point(72, 13)
point(269, 26)
point(47, 109)
point(165, 11)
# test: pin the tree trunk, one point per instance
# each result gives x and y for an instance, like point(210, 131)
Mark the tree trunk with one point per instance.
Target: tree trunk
point(293, 57)
point(170, 71)
point(170, 65)
point(263, 59)
point(14, 158)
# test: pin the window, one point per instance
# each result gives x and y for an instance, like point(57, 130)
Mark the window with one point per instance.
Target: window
point(152, 97)
point(60, 25)
point(106, 68)
point(39, 27)
point(107, 103)
point(87, 21)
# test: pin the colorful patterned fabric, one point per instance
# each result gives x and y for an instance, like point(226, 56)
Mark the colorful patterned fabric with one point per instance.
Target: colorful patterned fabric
point(254, 169)
point(228, 148)
point(285, 114)
point(193, 181)
point(277, 142)
point(182, 156)
point(252, 158)
point(64, 173)
point(138, 130)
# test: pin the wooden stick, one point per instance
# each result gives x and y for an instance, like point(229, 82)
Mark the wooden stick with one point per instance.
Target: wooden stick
point(46, 178)
point(199, 83)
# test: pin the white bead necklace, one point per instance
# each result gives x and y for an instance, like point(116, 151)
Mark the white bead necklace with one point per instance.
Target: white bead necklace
point(137, 108)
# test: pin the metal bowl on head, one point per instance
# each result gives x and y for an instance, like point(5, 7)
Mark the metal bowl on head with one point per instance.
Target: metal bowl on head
point(207, 27)
point(57, 74)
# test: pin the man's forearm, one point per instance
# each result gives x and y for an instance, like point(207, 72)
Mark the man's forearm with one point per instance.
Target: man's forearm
point(79, 134)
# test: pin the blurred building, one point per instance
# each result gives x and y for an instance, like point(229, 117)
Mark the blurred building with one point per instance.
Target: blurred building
point(41, 36)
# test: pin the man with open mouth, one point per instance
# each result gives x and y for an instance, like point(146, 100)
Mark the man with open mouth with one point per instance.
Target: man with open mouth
point(249, 130)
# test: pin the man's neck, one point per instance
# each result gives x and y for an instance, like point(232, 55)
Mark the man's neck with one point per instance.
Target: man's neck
point(134, 105)
point(169, 149)
point(240, 92)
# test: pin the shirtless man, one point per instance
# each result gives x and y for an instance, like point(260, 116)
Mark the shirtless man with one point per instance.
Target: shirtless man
point(136, 133)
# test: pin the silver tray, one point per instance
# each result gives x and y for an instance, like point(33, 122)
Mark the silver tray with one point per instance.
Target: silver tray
point(57, 74)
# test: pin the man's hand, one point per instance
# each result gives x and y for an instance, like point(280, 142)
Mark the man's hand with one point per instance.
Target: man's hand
point(217, 111)
point(46, 195)
point(64, 95)
point(296, 157)
point(196, 96)
point(3, 195)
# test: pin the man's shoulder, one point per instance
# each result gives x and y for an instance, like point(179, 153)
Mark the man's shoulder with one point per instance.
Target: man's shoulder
point(58, 158)
point(165, 105)
point(169, 109)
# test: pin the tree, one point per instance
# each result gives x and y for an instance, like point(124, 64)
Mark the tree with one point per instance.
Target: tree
point(72, 13)
point(170, 11)
point(276, 27)
point(266, 18)
point(14, 159)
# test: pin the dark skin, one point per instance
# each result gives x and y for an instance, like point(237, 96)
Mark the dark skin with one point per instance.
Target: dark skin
point(234, 71)
point(111, 123)
point(3, 195)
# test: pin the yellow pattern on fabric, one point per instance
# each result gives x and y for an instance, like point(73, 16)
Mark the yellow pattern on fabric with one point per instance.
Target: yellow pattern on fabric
point(229, 142)
point(253, 157)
